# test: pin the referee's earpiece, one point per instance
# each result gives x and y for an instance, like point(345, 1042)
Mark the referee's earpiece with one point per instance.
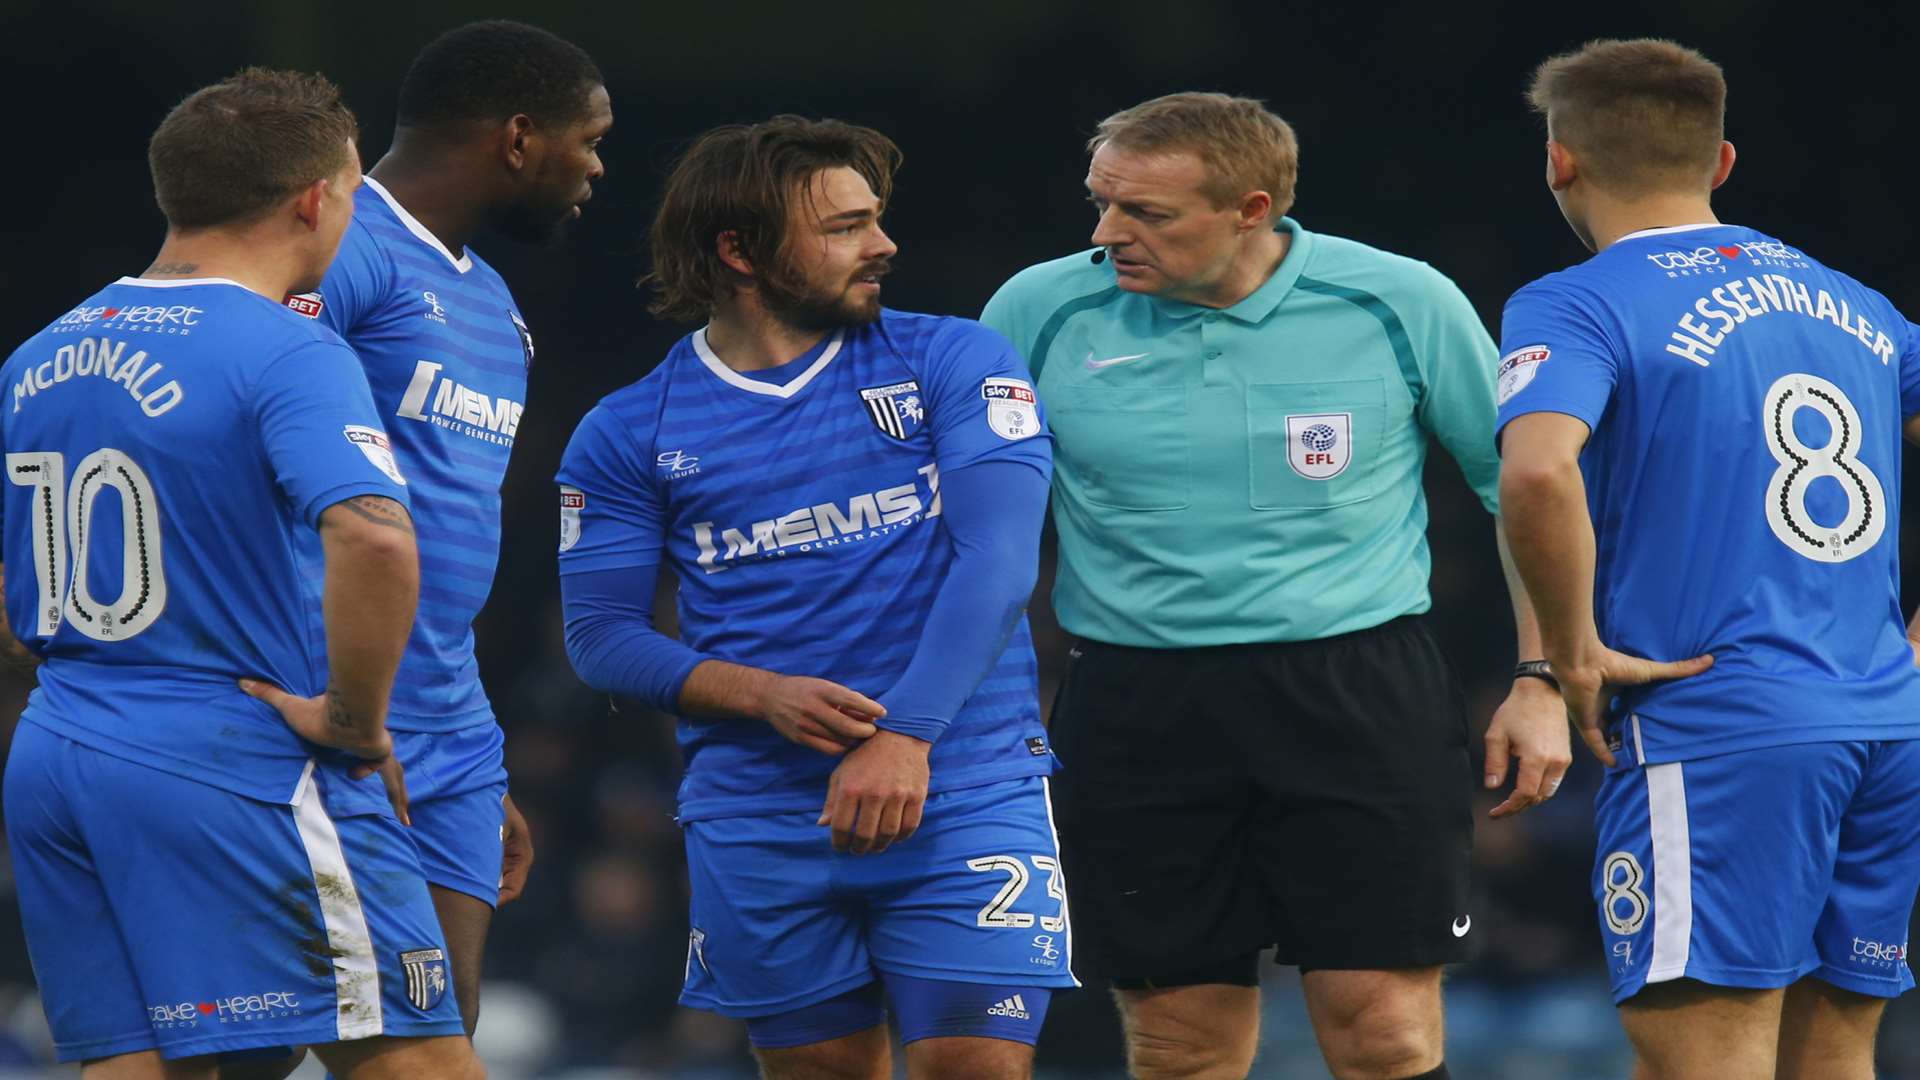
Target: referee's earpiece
point(1100, 256)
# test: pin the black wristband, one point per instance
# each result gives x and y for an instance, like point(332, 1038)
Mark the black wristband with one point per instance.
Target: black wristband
point(1536, 669)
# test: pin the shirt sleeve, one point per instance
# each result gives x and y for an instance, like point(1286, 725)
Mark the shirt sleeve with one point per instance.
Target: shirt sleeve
point(1556, 357)
point(993, 514)
point(359, 277)
point(611, 513)
point(1457, 358)
point(321, 431)
point(1003, 315)
point(980, 401)
point(611, 640)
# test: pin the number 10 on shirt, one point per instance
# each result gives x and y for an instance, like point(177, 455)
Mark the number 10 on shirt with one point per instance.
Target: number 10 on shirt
point(63, 516)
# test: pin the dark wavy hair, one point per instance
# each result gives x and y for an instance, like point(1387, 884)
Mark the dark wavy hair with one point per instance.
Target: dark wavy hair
point(744, 179)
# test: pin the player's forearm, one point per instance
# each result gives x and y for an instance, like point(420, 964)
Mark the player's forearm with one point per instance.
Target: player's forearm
point(1526, 625)
point(372, 586)
point(611, 640)
point(721, 689)
point(1550, 536)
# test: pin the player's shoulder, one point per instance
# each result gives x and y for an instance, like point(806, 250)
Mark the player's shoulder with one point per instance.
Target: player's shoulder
point(1058, 281)
point(928, 342)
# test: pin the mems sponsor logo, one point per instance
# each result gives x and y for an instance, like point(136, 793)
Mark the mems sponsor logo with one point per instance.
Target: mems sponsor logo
point(867, 516)
point(442, 401)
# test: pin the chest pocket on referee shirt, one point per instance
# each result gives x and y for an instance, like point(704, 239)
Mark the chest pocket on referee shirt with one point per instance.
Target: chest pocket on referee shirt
point(1313, 445)
point(1124, 446)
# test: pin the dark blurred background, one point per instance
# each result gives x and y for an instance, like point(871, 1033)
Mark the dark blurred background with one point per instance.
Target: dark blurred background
point(1414, 138)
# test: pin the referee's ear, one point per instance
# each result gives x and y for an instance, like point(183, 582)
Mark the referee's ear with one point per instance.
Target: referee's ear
point(1256, 212)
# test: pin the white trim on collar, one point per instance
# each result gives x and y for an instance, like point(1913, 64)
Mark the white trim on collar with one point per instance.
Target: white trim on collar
point(755, 386)
point(175, 283)
point(1664, 230)
point(425, 235)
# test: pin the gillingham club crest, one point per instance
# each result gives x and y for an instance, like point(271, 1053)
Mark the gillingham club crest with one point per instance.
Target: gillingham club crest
point(426, 971)
point(1320, 445)
point(896, 410)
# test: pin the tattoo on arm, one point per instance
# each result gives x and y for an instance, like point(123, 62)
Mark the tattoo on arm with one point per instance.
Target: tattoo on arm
point(381, 511)
point(337, 714)
point(173, 268)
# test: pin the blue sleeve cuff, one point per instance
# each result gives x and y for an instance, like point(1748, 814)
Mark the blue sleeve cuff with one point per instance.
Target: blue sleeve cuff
point(925, 729)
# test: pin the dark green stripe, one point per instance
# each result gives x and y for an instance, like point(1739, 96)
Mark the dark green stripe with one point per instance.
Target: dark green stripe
point(1051, 328)
point(1389, 321)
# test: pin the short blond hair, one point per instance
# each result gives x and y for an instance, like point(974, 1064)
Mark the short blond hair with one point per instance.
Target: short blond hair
point(1643, 115)
point(1242, 145)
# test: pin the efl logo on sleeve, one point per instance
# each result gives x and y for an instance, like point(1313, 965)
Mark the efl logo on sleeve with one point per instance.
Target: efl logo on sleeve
point(572, 501)
point(1518, 368)
point(373, 443)
point(1320, 445)
point(1012, 411)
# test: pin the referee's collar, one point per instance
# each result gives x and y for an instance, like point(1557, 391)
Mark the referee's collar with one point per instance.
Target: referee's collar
point(1254, 308)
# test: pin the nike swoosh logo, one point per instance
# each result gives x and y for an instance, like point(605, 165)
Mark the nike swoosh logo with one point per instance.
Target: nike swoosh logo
point(1461, 925)
point(1096, 365)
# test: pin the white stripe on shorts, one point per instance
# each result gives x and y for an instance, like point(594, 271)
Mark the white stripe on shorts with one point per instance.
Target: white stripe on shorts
point(1046, 796)
point(356, 974)
point(1672, 872)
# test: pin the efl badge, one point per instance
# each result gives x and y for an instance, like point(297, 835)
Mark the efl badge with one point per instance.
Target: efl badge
point(1012, 412)
point(1518, 368)
point(1320, 445)
point(526, 335)
point(572, 501)
point(309, 304)
point(373, 443)
point(896, 410)
point(426, 971)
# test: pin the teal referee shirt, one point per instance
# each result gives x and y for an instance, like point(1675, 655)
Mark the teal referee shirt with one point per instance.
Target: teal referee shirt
point(1251, 473)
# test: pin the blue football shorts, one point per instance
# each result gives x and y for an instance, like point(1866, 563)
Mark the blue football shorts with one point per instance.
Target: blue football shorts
point(782, 922)
point(1756, 868)
point(456, 792)
point(163, 913)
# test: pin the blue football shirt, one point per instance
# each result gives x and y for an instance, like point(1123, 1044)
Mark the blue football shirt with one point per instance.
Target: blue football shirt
point(446, 353)
point(1743, 475)
point(167, 443)
point(800, 509)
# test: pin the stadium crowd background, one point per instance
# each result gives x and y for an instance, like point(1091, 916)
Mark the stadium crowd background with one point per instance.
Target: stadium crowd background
point(1414, 138)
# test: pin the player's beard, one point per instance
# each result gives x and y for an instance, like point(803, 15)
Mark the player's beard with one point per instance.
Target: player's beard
point(795, 303)
point(541, 225)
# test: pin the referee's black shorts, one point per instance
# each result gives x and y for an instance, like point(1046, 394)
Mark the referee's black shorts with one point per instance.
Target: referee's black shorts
point(1314, 796)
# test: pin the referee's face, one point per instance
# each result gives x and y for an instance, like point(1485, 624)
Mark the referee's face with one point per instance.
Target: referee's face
point(1162, 231)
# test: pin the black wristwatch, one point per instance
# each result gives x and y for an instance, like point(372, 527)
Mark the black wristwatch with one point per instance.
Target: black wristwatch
point(1536, 669)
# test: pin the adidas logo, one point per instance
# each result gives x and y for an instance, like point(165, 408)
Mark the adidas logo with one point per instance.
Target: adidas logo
point(1014, 1008)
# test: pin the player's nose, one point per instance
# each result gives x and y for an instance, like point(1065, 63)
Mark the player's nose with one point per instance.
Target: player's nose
point(882, 246)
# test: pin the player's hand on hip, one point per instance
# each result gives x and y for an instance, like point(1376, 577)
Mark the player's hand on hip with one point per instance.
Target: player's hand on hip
point(1589, 688)
point(875, 796)
point(324, 721)
point(516, 852)
point(819, 714)
point(1530, 727)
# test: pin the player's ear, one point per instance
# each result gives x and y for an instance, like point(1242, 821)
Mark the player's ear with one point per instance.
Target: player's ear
point(516, 139)
point(1562, 168)
point(306, 205)
point(1725, 167)
point(727, 246)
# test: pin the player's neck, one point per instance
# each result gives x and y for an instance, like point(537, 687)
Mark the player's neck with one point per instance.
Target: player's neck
point(748, 337)
point(1608, 219)
point(437, 189)
point(260, 267)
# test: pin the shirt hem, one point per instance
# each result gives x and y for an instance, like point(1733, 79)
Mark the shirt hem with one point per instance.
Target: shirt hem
point(1694, 750)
